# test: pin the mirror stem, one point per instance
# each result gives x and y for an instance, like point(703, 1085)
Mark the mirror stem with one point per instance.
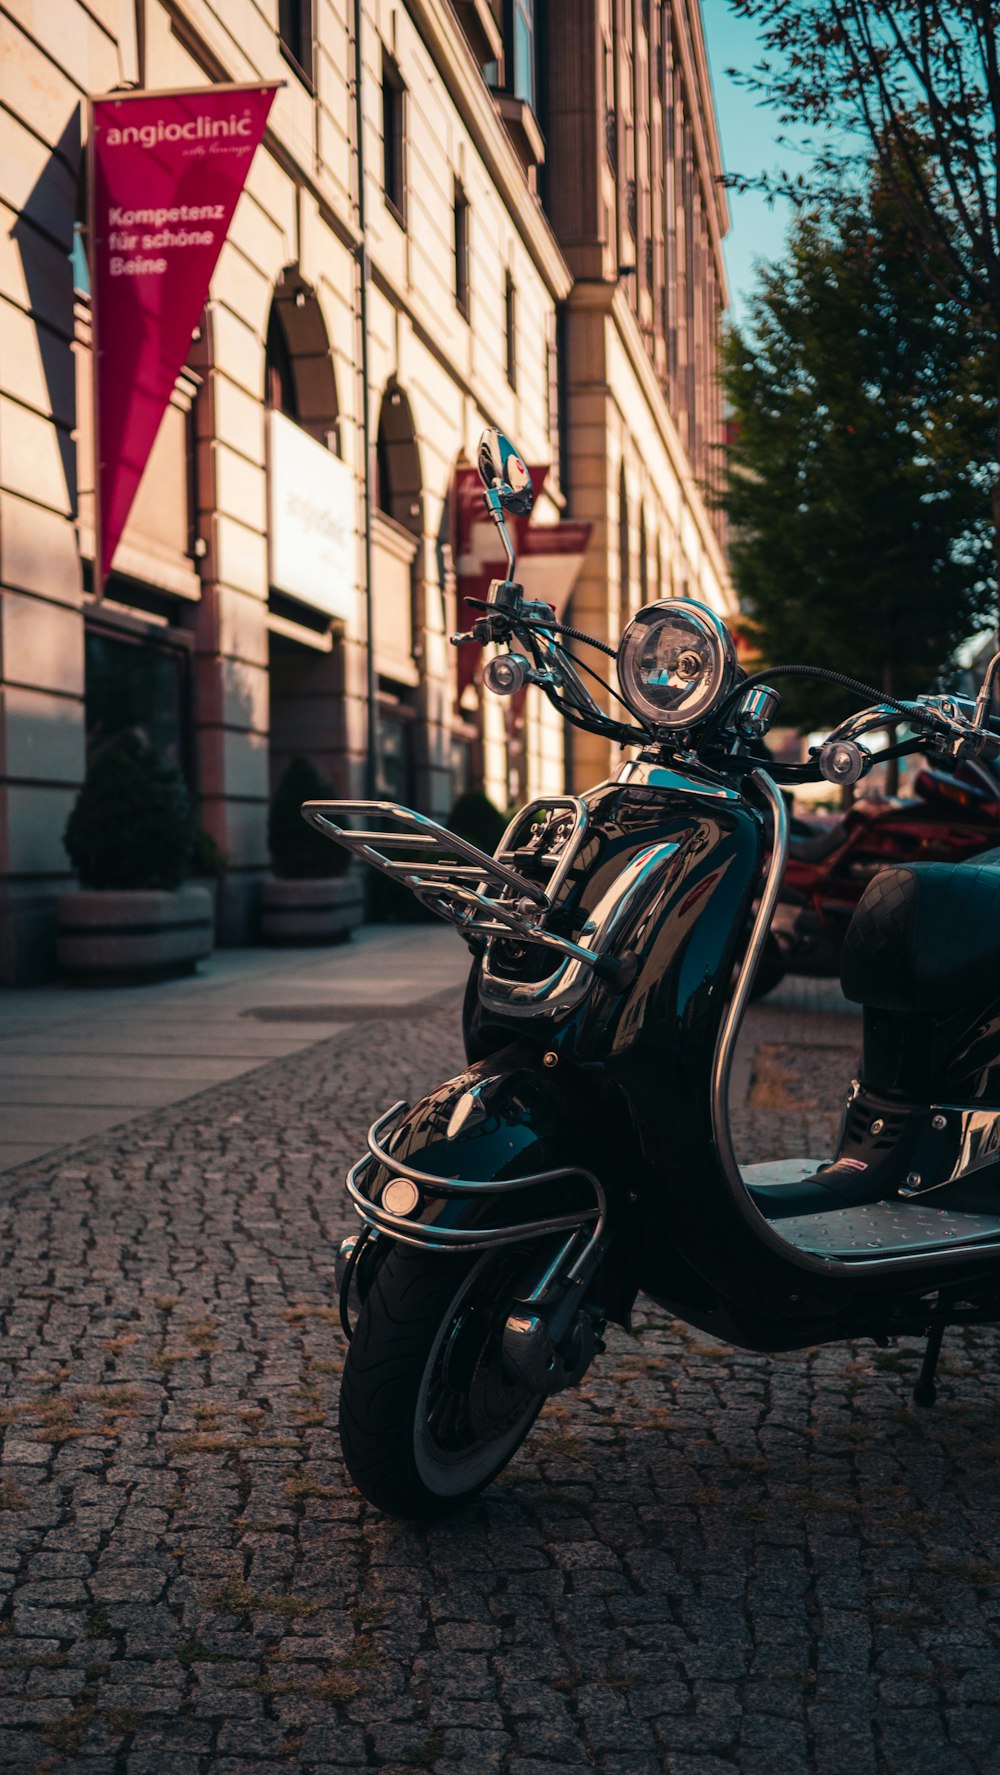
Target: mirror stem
point(495, 509)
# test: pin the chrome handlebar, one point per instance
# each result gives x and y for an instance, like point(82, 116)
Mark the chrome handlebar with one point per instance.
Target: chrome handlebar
point(955, 725)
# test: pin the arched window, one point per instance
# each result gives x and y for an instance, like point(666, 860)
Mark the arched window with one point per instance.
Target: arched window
point(397, 463)
point(280, 391)
point(299, 378)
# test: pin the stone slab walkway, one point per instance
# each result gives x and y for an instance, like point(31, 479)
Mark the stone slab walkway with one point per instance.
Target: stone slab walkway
point(75, 1061)
point(703, 1563)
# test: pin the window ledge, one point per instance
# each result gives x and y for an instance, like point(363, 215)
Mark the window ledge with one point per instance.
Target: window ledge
point(481, 28)
point(522, 127)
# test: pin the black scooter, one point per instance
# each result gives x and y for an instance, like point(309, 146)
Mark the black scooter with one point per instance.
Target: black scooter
point(585, 1154)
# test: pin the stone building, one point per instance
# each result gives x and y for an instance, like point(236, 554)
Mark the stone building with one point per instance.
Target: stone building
point(529, 236)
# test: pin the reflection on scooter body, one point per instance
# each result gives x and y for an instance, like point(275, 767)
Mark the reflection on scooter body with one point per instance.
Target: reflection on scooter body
point(585, 1152)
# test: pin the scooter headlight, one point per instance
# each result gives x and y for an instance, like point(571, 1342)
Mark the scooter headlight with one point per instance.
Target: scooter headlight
point(676, 661)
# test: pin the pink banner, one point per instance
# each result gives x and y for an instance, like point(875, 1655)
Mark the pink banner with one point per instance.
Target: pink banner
point(167, 173)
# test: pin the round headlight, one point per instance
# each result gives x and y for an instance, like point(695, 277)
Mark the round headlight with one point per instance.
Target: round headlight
point(676, 661)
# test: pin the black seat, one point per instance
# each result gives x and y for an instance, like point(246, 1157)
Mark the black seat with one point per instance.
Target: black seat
point(926, 937)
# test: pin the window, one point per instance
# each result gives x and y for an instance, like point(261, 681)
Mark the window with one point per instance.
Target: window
point(136, 683)
point(280, 386)
point(461, 251)
point(522, 37)
point(511, 323)
point(516, 75)
point(78, 260)
point(295, 35)
point(393, 143)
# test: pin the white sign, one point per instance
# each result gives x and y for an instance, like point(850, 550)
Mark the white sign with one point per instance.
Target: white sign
point(313, 507)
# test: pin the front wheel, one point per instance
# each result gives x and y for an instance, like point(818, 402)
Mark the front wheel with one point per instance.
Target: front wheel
point(429, 1414)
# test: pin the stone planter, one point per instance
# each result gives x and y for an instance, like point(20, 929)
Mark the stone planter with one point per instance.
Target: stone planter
point(324, 911)
point(106, 934)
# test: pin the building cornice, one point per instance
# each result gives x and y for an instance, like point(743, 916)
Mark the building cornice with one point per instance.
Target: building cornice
point(694, 63)
point(446, 43)
point(444, 39)
point(610, 299)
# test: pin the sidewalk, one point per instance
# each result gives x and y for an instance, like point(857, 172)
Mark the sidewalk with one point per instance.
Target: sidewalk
point(75, 1061)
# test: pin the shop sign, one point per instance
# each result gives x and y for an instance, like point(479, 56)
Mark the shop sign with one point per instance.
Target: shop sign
point(313, 509)
point(167, 172)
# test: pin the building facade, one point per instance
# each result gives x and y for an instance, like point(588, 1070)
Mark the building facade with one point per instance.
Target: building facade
point(436, 235)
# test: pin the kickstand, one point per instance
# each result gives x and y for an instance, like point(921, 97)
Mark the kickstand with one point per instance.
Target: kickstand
point(925, 1392)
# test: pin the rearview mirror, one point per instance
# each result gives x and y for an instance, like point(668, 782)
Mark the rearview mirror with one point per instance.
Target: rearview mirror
point(502, 470)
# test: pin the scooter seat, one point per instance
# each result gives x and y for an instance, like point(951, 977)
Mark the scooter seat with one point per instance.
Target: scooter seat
point(925, 937)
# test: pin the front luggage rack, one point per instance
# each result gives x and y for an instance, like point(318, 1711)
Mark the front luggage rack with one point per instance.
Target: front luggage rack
point(480, 894)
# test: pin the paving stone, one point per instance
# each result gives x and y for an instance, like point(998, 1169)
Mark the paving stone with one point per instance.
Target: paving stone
point(747, 1565)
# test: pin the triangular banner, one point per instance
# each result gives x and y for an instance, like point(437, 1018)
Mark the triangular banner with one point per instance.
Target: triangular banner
point(168, 170)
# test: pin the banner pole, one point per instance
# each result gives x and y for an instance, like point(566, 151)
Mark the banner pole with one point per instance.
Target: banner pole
point(95, 380)
point(371, 681)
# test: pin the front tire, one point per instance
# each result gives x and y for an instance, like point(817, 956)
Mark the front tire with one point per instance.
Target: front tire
point(428, 1412)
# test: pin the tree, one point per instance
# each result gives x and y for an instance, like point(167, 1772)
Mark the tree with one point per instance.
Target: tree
point(917, 82)
point(862, 422)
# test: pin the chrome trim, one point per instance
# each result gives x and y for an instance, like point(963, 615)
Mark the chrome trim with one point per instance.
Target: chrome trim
point(564, 988)
point(410, 1231)
point(703, 621)
point(984, 701)
point(422, 831)
point(442, 886)
point(644, 774)
point(866, 720)
point(728, 1034)
point(568, 852)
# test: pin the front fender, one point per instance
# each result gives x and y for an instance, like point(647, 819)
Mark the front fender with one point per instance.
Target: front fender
point(510, 1149)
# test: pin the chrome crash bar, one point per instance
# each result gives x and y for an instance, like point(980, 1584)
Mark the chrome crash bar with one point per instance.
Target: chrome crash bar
point(410, 1230)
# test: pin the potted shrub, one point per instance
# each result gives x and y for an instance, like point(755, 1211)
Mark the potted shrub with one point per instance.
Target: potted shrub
point(207, 869)
point(314, 899)
point(129, 839)
point(475, 818)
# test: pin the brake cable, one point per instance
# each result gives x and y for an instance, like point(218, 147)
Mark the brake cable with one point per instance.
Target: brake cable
point(535, 622)
point(826, 676)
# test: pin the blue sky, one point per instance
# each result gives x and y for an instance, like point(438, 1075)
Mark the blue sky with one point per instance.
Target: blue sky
point(748, 132)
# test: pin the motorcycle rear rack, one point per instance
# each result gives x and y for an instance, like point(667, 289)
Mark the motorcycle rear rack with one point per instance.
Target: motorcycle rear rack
point(454, 878)
point(411, 1231)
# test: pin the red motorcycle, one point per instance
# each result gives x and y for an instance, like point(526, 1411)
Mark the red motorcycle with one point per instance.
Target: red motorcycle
point(951, 815)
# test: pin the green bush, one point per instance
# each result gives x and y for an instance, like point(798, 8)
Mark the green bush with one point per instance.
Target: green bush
point(132, 826)
point(207, 859)
point(298, 851)
point(475, 819)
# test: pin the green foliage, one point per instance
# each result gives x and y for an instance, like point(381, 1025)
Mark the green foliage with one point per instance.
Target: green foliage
point(132, 825)
point(207, 859)
point(916, 83)
point(298, 851)
point(475, 818)
point(858, 478)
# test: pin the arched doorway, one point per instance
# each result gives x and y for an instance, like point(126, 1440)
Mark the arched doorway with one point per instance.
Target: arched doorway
point(398, 614)
point(306, 620)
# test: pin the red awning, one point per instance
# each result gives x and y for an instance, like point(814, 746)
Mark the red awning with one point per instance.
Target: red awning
point(549, 557)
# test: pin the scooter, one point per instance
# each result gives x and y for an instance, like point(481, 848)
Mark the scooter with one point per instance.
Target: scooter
point(953, 813)
point(586, 1153)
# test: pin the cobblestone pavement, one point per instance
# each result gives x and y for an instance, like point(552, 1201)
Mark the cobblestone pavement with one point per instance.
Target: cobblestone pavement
point(703, 1562)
